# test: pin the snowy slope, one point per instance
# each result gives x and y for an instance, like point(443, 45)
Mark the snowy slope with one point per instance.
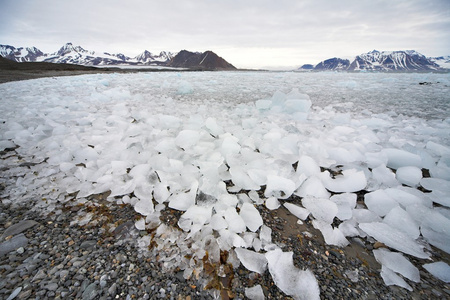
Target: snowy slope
point(71, 54)
point(215, 146)
point(409, 60)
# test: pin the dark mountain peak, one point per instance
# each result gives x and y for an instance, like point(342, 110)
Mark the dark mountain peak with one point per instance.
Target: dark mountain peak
point(333, 64)
point(207, 60)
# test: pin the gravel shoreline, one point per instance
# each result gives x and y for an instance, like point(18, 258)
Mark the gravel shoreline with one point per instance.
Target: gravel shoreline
point(60, 260)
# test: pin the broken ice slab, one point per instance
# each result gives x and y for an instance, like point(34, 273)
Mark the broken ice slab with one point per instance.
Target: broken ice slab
point(439, 270)
point(252, 260)
point(394, 238)
point(251, 217)
point(291, 280)
point(398, 263)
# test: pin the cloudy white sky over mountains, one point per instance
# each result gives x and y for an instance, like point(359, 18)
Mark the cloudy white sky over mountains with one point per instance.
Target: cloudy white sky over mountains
point(252, 33)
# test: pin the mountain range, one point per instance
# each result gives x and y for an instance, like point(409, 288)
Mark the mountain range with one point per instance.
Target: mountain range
point(386, 61)
point(70, 54)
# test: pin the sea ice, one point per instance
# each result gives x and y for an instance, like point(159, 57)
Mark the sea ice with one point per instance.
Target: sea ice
point(299, 212)
point(398, 263)
point(252, 260)
point(345, 202)
point(272, 203)
point(439, 270)
point(332, 236)
point(312, 186)
point(235, 222)
point(399, 219)
point(391, 278)
point(251, 217)
point(308, 166)
point(279, 187)
point(184, 200)
point(351, 180)
point(292, 281)
point(401, 158)
point(321, 208)
point(410, 176)
point(255, 293)
point(394, 238)
point(379, 202)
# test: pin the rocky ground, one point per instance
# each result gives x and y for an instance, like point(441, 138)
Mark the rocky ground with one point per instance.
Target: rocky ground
point(52, 258)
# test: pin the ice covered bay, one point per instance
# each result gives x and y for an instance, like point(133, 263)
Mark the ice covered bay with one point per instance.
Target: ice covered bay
point(216, 145)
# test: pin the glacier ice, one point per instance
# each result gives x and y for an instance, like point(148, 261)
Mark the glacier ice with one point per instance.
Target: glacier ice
point(439, 270)
point(351, 180)
point(409, 175)
point(252, 260)
point(321, 208)
point(394, 238)
point(398, 263)
point(380, 202)
point(345, 202)
point(251, 216)
point(391, 278)
point(299, 212)
point(255, 293)
point(291, 280)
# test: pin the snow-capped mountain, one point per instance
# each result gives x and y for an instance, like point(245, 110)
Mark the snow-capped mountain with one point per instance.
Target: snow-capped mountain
point(147, 57)
point(71, 54)
point(20, 54)
point(386, 61)
point(442, 61)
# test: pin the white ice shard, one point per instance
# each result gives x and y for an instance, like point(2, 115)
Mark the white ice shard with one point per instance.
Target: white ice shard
point(308, 166)
point(187, 138)
point(345, 202)
point(251, 217)
point(144, 207)
point(394, 238)
point(391, 278)
point(253, 261)
point(409, 175)
point(399, 219)
point(299, 212)
point(351, 180)
point(321, 208)
point(439, 270)
point(184, 200)
point(279, 187)
point(255, 293)
point(312, 186)
point(272, 203)
point(401, 158)
point(380, 202)
point(398, 263)
point(301, 285)
point(235, 222)
point(332, 236)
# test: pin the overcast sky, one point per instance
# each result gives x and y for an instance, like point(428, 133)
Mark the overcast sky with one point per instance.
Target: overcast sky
point(247, 33)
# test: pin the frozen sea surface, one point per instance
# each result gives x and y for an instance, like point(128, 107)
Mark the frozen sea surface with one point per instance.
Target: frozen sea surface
point(215, 145)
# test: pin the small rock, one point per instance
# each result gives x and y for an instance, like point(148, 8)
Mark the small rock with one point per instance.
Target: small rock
point(13, 244)
point(379, 245)
point(20, 250)
point(18, 228)
point(14, 293)
point(90, 292)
